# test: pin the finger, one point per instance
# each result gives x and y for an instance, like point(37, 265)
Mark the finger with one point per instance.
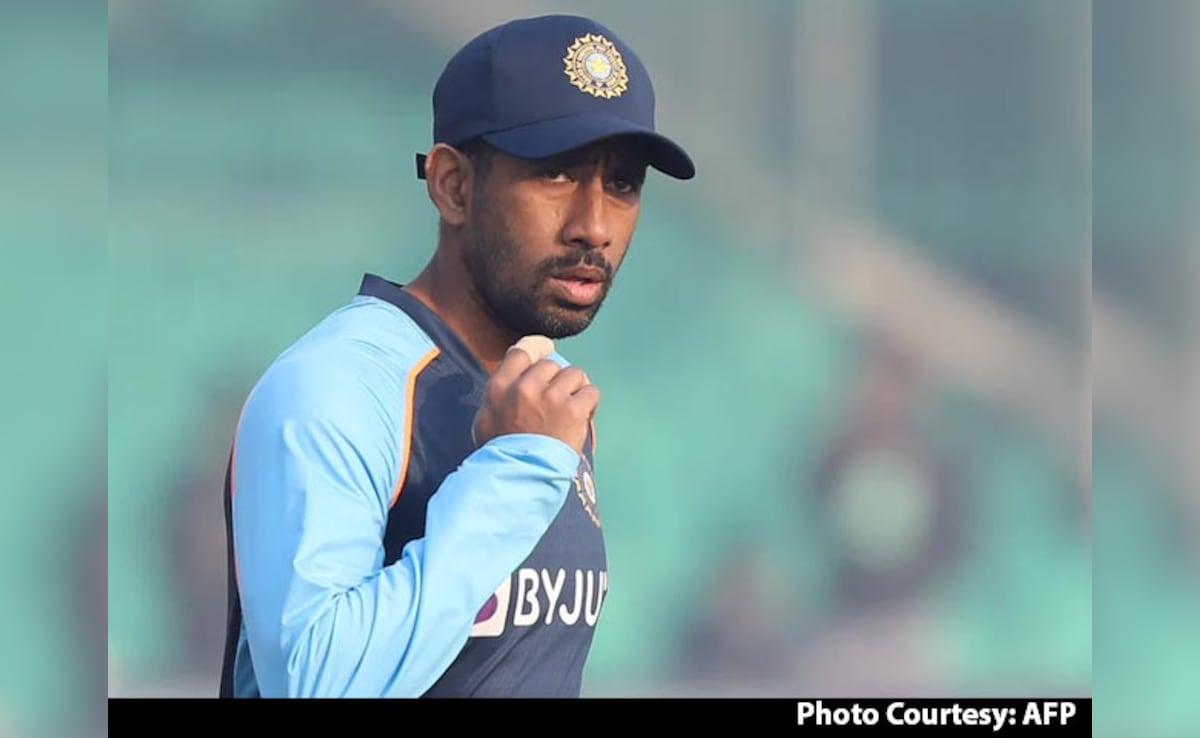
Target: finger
point(586, 399)
point(512, 366)
point(540, 374)
point(521, 355)
point(538, 347)
point(568, 381)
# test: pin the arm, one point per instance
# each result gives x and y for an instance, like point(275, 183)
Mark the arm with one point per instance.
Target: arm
point(317, 458)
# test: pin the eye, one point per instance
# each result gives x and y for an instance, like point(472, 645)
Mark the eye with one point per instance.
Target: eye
point(626, 185)
point(555, 174)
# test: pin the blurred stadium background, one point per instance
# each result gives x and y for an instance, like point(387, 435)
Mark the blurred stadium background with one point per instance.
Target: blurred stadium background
point(846, 447)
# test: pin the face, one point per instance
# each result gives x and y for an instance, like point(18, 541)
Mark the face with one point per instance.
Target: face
point(544, 239)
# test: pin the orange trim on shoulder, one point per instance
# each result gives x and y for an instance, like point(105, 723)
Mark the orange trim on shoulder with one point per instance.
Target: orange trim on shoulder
point(409, 397)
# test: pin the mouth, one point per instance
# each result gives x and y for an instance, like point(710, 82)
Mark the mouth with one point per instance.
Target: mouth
point(581, 286)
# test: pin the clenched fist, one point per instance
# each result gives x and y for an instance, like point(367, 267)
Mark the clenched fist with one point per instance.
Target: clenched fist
point(532, 394)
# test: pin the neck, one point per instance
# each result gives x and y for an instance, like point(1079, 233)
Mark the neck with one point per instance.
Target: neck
point(445, 288)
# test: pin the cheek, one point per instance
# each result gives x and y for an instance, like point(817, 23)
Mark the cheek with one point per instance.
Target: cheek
point(541, 226)
point(533, 232)
point(623, 231)
point(513, 240)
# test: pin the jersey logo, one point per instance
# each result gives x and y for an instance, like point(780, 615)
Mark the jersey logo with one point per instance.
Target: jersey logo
point(492, 617)
point(543, 597)
point(585, 488)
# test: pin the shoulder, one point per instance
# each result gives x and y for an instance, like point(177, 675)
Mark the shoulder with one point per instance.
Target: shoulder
point(336, 400)
point(353, 365)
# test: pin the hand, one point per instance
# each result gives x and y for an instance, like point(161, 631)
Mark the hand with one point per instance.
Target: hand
point(532, 394)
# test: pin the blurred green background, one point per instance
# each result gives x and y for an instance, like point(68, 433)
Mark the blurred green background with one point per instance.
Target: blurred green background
point(846, 445)
point(52, 378)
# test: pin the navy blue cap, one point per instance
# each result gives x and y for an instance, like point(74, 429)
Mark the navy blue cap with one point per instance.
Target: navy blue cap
point(537, 87)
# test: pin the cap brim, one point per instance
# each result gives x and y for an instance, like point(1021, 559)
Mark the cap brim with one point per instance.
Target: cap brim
point(560, 135)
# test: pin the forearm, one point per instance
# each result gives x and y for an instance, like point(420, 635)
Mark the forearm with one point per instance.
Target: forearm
point(395, 630)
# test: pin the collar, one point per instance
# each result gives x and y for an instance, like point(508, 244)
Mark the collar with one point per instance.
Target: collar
point(430, 322)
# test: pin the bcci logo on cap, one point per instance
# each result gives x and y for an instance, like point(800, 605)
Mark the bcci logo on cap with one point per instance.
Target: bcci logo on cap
point(594, 65)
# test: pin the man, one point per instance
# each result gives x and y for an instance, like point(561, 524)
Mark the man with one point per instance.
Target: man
point(410, 503)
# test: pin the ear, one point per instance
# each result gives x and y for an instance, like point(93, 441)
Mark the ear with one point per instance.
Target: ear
point(449, 176)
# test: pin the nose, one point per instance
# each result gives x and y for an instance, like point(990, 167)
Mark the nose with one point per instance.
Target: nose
point(587, 224)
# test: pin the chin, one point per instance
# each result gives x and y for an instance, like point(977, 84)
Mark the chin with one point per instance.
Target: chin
point(564, 322)
point(557, 330)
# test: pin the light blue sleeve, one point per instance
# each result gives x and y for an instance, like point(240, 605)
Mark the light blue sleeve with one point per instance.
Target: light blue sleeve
point(317, 456)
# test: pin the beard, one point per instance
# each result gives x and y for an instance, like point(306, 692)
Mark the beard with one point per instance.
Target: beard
point(520, 302)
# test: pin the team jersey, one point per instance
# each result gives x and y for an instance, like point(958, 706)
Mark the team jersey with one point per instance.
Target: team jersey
point(375, 551)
